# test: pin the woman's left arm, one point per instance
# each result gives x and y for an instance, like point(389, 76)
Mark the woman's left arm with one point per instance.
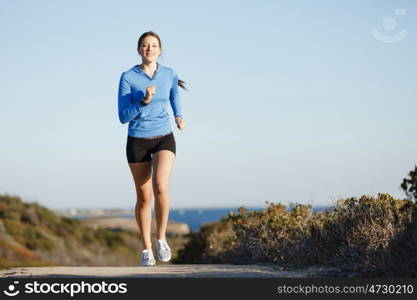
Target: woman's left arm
point(175, 100)
point(175, 97)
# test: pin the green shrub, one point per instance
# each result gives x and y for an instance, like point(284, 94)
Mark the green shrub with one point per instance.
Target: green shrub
point(357, 234)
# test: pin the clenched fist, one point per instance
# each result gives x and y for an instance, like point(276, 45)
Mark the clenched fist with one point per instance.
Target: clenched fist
point(180, 123)
point(150, 91)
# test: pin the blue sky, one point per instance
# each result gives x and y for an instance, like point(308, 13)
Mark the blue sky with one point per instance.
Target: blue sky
point(289, 101)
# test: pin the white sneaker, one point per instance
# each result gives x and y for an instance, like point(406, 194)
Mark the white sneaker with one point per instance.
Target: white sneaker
point(164, 252)
point(147, 258)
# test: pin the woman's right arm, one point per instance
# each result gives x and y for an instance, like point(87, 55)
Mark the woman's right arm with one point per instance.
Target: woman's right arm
point(127, 110)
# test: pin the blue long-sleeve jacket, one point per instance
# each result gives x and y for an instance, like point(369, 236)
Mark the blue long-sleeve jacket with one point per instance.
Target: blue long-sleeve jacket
point(152, 119)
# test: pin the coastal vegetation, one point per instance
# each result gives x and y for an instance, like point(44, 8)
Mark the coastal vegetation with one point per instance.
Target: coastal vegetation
point(373, 236)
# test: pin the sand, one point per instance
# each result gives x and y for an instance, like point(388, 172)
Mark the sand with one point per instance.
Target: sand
point(169, 270)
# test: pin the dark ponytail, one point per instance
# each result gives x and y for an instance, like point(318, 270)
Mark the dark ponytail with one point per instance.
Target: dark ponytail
point(181, 83)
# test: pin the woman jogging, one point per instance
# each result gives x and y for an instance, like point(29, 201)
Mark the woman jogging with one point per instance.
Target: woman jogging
point(144, 92)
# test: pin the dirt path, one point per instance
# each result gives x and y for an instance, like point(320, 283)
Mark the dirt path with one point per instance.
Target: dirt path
point(193, 271)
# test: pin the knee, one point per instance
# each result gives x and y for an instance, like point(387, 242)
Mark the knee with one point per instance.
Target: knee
point(144, 198)
point(161, 188)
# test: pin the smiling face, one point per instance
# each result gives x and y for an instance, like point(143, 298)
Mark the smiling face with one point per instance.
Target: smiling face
point(149, 49)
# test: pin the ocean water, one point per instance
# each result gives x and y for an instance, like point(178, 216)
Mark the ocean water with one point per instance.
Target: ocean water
point(197, 217)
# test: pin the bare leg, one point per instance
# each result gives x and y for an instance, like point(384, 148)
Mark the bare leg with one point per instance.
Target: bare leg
point(163, 162)
point(143, 210)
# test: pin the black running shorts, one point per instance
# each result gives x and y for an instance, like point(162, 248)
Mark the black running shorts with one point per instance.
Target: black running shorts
point(143, 149)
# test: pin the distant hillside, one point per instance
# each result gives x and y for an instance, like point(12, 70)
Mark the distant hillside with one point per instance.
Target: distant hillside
point(32, 235)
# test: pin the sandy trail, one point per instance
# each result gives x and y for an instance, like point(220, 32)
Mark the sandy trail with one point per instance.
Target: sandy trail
point(170, 270)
